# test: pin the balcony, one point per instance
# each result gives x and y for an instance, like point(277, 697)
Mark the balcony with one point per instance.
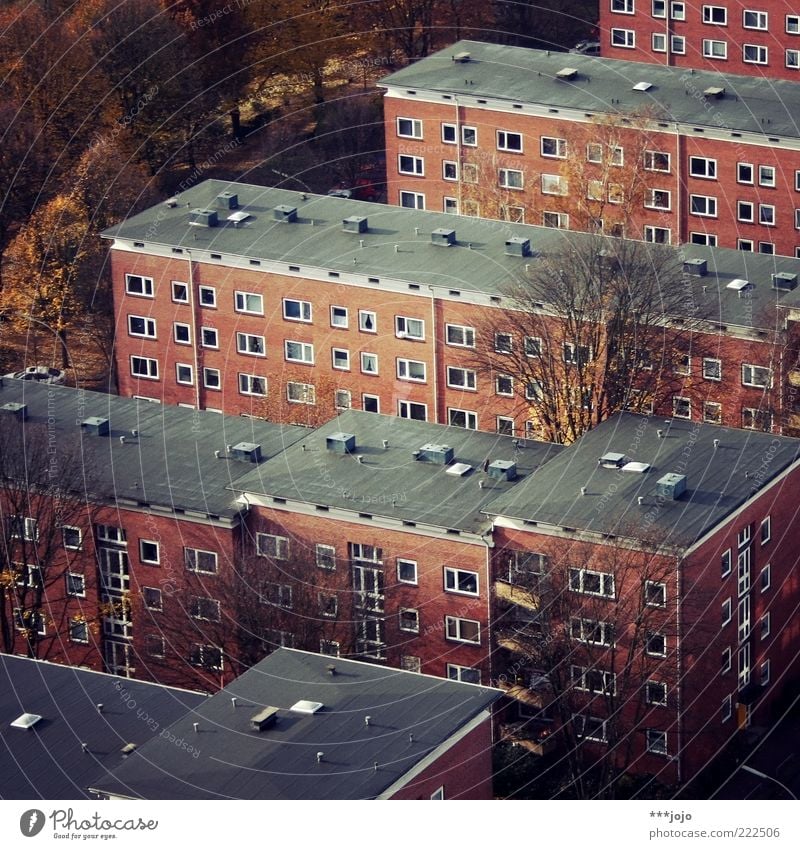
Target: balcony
point(536, 737)
point(514, 594)
point(534, 692)
point(793, 377)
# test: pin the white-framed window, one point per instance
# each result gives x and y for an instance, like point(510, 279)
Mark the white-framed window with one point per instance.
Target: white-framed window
point(589, 582)
point(765, 673)
point(725, 564)
point(202, 607)
point(408, 619)
point(250, 343)
point(411, 370)
point(755, 54)
point(655, 693)
point(703, 205)
point(753, 419)
point(465, 674)
point(276, 595)
point(413, 165)
point(339, 317)
point(109, 533)
point(438, 794)
point(766, 176)
point(792, 58)
point(460, 581)
point(78, 630)
point(592, 680)
point(206, 656)
point(272, 545)
point(725, 612)
point(142, 326)
point(677, 11)
point(252, 384)
point(461, 378)
point(325, 556)
point(745, 173)
point(708, 239)
point(623, 38)
point(659, 8)
point(712, 368)
point(758, 376)
point(575, 354)
point(743, 664)
point(412, 200)
point(209, 337)
point(590, 728)
point(656, 740)
point(248, 302)
point(766, 247)
point(200, 561)
point(715, 15)
point(460, 336)
point(594, 152)
point(71, 537)
point(328, 605)
point(682, 364)
point(681, 408)
point(766, 626)
point(745, 211)
point(726, 661)
point(409, 328)
point(462, 418)
point(182, 333)
point(149, 551)
point(754, 20)
point(656, 644)
point(744, 535)
point(144, 367)
point(135, 284)
point(715, 49)
point(701, 166)
point(184, 373)
point(658, 42)
point(559, 220)
point(504, 385)
point(295, 310)
point(207, 296)
point(727, 708)
point(151, 596)
point(659, 199)
point(370, 403)
point(369, 363)
point(657, 235)
point(412, 410)
point(765, 578)
point(343, 399)
point(367, 321)
point(623, 7)
point(409, 128)
point(75, 584)
point(678, 44)
point(449, 133)
point(469, 136)
point(793, 24)
point(503, 343)
point(509, 178)
point(462, 630)
point(509, 141)
point(657, 160)
point(766, 216)
point(406, 571)
point(766, 530)
point(592, 632)
point(450, 205)
point(553, 148)
point(298, 352)
point(655, 594)
point(554, 184)
point(301, 393)
point(504, 425)
point(340, 359)
point(449, 171)
point(180, 292)
point(212, 379)
point(743, 630)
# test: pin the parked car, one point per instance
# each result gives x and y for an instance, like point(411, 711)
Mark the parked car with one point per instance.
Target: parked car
point(362, 189)
point(587, 48)
point(41, 374)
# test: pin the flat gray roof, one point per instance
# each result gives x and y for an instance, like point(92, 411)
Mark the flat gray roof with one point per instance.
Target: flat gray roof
point(280, 762)
point(754, 104)
point(390, 482)
point(169, 463)
point(477, 263)
point(718, 480)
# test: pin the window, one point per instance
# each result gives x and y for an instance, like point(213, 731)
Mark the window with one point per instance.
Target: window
point(469, 174)
point(212, 378)
point(71, 536)
point(656, 645)
point(249, 302)
point(449, 133)
point(76, 584)
point(756, 54)
point(207, 296)
point(409, 328)
point(276, 595)
point(765, 625)
point(24, 528)
point(182, 333)
point(510, 179)
point(251, 384)
point(744, 535)
point(301, 393)
point(325, 556)
point(155, 646)
point(656, 740)
point(713, 49)
point(683, 364)
point(339, 317)
point(108, 533)
point(343, 399)
point(406, 571)
point(367, 321)
point(576, 354)
point(712, 369)
point(438, 794)
point(412, 410)
point(465, 674)
point(180, 292)
point(414, 165)
point(743, 631)
point(504, 385)
point(449, 171)
point(340, 358)
point(183, 374)
point(659, 8)
point(460, 581)
point(655, 594)
point(726, 661)
point(793, 24)
point(78, 630)
point(369, 363)
point(745, 211)
point(624, 7)
point(623, 38)
point(460, 336)
point(756, 419)
point(725, 612)
point(656, 693)
point(411, 370)
point(727, 709)
point(765, 578)
point(409, 619)
point(533, 391)
point(766, 530)
point(715, 15)
point(593, 632)
point(765, 670)
point(759, 376)
point(144, 367)
point(137, 285)
point(298, 352)
point(270, 545)
point(616, 193)
point(409, 128)
point(766, 176)
point(659, 199)
point(462, 630)
point(208, 657)
point(509, 141)
point(503, 343)
point(462, 418)
point(590, 728)
point(678, 44)
point(744, 173)
point(505, 425)
point(209, 337)
point(370, 403)
point(793, 58)
point(469, 136)
point(712, 412)
point(149, 551)
point(461, 378)
point(141, 326)
point(677, 11)
point(553, 184)
point(554, 148)
point(294, 310)
point(708, 239)
point(657, 235)
point(198, 560)
point(328, 605)
point(699, 166)
point(559, 220)
point(451, 205)
point(412, 200)
point(589, 582)
point(702, 205)
point(249, 343)
point(754, 20)
point(152, 598)
point(656, 160)
point(743, 664)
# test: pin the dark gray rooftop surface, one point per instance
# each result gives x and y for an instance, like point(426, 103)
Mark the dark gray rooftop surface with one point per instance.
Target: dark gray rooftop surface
point(47, 762)
point(523, 75)
point(717, 480)
point(170, 463)
point(390, 482)
point(280, 762)
point(483, 268)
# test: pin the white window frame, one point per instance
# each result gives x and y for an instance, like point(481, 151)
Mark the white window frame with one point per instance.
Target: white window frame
point(212, 378)
point(503, 137)
point(462, 378)
point(659, 687)
point(301, 393)
point(750, 373)
point(710, 12)
point(409, 328)
point(793, 24)
point(343, 399)
point(251, 384)
point(410, 165)
point(766, 215)
point(511, 178)
point(181, 333)
point(650, 653)
point(466, 333)
point(70, 587)
point(417, 200)
point(184, 374)
point(207, 297)
point(75, 546)
point(152, 561)
point(792, 57)
point(622, 7)
point(761, 21)
point(343, 356)
point(406, 408)
point(660, 199)
point(623, 38)
point(556, 147)
point(742, 214)
point(454, 414)
point(679, 403)
point(303, 308)
point(413, 612)
point(714, 48)
point(762, 54)
point(365, 316)
point(325, 556)
point(248, 303)
point(450, 171)
point(304, 352)
point(449, 133)
point(414, 371)
point(554, 184)
point(179, 295)
point(677, 10)
point(557, 220)
point(469, 136)
point(340, 317)
point(658, 42)
point(578, 582)
point(404, 561)
point(765, 530)
point(653, 157)
point(278, 546)
point(366, 359)
point(708, 202)
point(706, 167)
point(415, 130)
point(455, 627)
point(453, 578)
point(251, 344)
point(148, 327)
point(205, 608)
point(200, 561)
point(715, 365)
point(208, 333)
point(156, 603)
point(151, 367)
point(662, 588)
point(656, 741)
point(139, 286)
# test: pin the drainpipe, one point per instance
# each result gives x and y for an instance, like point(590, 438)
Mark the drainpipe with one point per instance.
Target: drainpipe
point(435, 358)
point(679, 665)
point(679, 188)
point(458, 152)
point(190, 287)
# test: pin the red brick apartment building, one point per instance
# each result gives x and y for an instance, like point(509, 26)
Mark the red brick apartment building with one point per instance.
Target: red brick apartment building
point(760, 40)
point(649, 151)
point(294, 307)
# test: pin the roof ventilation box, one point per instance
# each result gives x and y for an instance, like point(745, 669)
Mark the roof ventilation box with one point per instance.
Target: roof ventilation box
point(285, 213)
point(306, 706)
point(715, 91)
point(612, 460)
point(203, 217)
point(246, 452)
point(341, 443)
point(443, 237)
point(695, 267)
point(518, 246)
point(439, 454)
point(228, 200)
point(503, 470)
point(671, 486)
point(26, 720)
point(264, 719)
point(567, 73)
point(18, 411)
point(96, 426)
point(784, 280)
point(354, 224)
point(462, 57)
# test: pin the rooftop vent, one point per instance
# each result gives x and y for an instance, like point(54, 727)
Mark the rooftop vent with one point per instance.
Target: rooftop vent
point(738, 284)
point(464, 56)
point(567, 73)
point(341, 443)
point(171, 202)
point(784, 280)
point(443, 237)
point(203, 218)
point(715, 91)
point(355, 224)
point(96, 426)
point(636, 467)
point(18, 411)
point(642, 86)
point(227, 200)
point(695, 267)
point(27, 720)
point(442, 455)
point(285, 213)
point(671, 486)
point(306, 706)
point(459, 469)
point(236, 218)
point(264, 719)
point(502, 470)
point(611, 460)
point(518, 246)
point(246, 452)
